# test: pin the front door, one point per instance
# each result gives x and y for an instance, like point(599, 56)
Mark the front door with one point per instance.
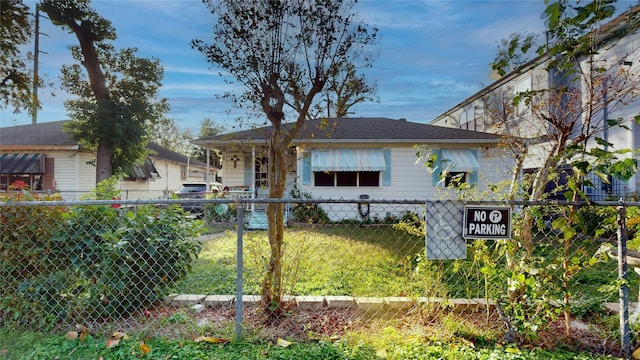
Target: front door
point(261, 180)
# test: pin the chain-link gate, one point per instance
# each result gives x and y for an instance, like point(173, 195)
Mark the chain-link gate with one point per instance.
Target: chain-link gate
point(347, 266)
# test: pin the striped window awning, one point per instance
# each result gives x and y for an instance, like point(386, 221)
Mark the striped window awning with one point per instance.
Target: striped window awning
point(347, 160)
point(460, 160)
point(15, 163)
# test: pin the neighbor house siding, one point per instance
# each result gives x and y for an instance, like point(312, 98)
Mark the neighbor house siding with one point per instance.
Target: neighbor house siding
point(86, 173)
point(73, 176)
point(169, 181)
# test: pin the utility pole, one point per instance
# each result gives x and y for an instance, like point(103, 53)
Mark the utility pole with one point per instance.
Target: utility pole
point(36, 79)
point(34, 102)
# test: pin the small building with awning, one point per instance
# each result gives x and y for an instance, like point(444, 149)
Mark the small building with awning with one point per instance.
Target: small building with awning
point(46, 158)
point(372, 158)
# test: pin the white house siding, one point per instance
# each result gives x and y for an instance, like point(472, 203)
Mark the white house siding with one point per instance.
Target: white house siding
point(409, 181)
point(168, 182)
point(233, 173)
point(72, 174)
point(626, 50)
point(480, 111)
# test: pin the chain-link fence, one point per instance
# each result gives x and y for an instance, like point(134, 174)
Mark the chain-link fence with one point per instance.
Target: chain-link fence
point(342, 267)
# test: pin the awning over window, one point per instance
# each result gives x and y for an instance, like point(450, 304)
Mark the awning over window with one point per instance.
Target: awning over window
point(13, 163)
point(459, 160)
point(144, 171)
point(347, 160)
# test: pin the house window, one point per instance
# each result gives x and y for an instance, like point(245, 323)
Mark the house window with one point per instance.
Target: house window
point(455, 167)
point(455, 179)
point(346, 167)
point(324, 178)
point(369, 178)
point(4, 182)
point(347, 178)
point(522, 88)
point(22, 167)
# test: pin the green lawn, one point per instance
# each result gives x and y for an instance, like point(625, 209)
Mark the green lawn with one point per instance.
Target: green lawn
point(368, 261)
point(333, 260)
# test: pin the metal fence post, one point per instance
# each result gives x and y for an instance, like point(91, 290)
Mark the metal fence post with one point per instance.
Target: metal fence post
point(623, 291)
point(239, 266)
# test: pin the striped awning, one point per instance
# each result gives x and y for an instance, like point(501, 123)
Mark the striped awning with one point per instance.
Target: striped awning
point(461, 160)
point(15, 163)
point(347, 160)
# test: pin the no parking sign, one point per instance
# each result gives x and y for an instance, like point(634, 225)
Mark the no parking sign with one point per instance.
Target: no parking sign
point(487, 222)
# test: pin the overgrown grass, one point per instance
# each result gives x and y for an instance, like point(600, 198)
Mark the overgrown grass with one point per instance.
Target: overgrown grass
point(27, 346)
point(340, 260)
point(370, 261)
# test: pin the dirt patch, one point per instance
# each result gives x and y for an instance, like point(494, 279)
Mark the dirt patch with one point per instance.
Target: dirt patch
point(476, 328)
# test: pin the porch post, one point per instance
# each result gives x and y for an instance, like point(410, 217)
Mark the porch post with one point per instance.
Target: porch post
point(208, 162)
point(253, 177)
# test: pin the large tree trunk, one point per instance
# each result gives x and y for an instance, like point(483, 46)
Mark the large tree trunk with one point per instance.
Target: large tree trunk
point(104, 155)
point(272, 285)
point(104, 165)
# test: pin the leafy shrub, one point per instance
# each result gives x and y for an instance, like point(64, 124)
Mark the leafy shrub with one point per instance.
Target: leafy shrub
point(307, 213)
point(97, 261)
point(125, 259)
point(25, 233)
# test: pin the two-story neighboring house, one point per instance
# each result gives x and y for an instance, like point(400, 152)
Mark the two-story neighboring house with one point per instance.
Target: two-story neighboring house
point(48, 159)
point(548, 103)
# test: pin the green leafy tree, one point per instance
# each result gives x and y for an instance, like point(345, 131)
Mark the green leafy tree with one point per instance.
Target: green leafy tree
point(586, 87)
point(344, 89)
point(15, 78)
point(166, 133)
point(514, 52)
point(283, 53)
point(208, 128)
point(116, 100)
point(588, 82)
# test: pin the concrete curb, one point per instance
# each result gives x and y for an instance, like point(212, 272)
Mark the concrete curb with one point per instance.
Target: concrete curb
point(396, 303)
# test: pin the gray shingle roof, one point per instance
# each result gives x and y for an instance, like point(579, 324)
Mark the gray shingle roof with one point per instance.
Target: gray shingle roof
point(362, 130)
point(160, 152)
point(49, 135)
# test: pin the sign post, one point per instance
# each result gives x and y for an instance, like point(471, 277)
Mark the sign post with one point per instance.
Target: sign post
point(487, 222)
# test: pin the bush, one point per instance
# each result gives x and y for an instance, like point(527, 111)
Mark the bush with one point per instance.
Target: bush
point(25, 234)
point(307, 213)
point(96, 261)
point(124, 259)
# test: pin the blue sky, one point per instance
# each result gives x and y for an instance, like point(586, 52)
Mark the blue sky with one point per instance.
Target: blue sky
point(432, 54)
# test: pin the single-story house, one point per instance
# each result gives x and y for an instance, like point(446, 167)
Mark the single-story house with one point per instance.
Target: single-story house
point(48, 159)
point(353, 158)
